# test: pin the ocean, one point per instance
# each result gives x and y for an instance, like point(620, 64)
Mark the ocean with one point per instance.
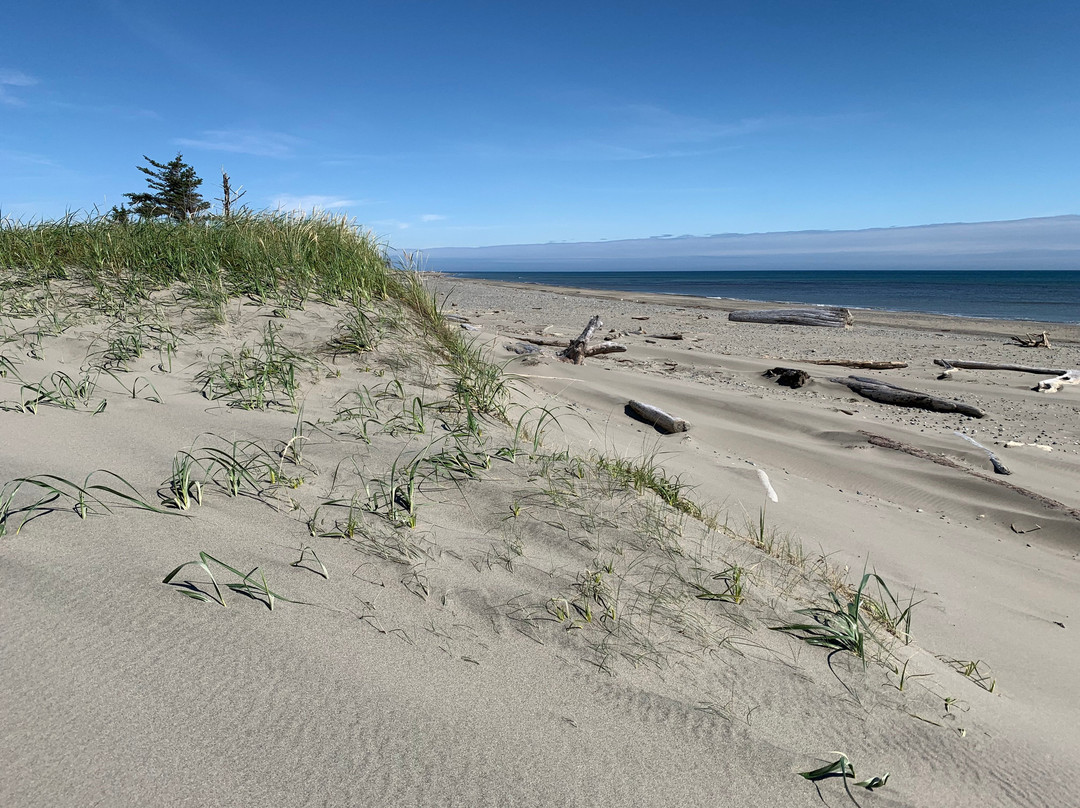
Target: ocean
point(1042, 295)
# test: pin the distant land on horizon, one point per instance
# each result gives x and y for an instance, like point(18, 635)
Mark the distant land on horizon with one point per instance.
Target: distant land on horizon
point(1038, 243)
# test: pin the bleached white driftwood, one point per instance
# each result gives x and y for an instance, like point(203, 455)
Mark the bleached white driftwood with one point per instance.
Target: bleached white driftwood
point(999, 467)
point(827, 316)
point(575, 351)
point(1053, 385)
point(952, 365)
point(885, 393)
point(657, 417)
point(1033, 340)
point(769, 492)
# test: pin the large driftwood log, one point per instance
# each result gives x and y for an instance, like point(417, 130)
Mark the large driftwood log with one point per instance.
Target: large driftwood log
point(914, 451)
point(829, 317)
point(1053, 385)
point(854, 363)
point(575, 351)
point(657, 417)
point(885, 393)
point(952, 365)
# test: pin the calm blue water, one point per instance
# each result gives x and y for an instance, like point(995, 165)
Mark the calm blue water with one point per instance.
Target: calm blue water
point(1045, 295)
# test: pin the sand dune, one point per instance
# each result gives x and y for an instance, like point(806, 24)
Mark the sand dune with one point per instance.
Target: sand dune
point(536, 637)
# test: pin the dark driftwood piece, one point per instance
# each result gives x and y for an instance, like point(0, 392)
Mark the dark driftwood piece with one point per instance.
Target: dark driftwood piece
point(657, 417)
point(575, 351)
point(829, 317)
point(667, 336)
point(788, 377)
point(914, 451)
point(551, 342)
point(952, 365)
point(885, 393)
point(854, 363)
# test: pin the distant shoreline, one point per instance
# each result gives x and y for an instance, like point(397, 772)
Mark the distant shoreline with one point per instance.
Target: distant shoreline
point(915, 320)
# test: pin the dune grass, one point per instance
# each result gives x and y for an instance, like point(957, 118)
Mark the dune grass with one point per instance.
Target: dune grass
point(279, 258)
point(271, 256)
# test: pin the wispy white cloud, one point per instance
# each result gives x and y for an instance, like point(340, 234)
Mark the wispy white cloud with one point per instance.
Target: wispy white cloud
point(310, 202)
point(392, 224)
point(13, 78)
point(244, 141)
point(432, 217)
point(12, 156)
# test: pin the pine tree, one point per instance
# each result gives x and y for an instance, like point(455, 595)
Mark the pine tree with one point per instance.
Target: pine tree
point(173, 191)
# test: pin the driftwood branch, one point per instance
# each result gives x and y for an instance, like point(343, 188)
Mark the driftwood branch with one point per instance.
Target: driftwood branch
point(885, 393)
point(605, 347)
point(829, 317)
point(550, 342)
point(1053, 385)
point(657, 417)
point(999, 467)
point(914, 451)
point(575, 351)
point(952, 365)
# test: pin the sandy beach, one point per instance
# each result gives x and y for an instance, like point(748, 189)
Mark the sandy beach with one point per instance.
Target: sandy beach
point(482, 612)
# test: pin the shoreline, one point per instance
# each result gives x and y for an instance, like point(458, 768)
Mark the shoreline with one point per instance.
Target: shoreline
point(1067, 333)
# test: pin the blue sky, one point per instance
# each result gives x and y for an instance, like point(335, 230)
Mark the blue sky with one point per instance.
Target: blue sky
point(478, 123)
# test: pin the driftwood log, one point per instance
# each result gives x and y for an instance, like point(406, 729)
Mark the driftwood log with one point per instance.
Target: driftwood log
point(914, 451)
point(826, 316)
point(953, 365)
point(854, 363)
point(657, 417)
point(575, 351)
point(885, 393)
point(1053, 385)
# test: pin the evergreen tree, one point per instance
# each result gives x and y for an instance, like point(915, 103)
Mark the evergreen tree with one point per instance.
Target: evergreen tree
point(173, 191)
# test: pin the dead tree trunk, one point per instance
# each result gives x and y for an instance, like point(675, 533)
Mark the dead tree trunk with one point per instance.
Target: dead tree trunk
point(657, 417)
point(885, 393)
point(829, 317)
point(575, 351)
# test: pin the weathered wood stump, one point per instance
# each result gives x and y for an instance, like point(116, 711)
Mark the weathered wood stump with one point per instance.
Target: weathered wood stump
point(575, 351)
point(788, 377)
